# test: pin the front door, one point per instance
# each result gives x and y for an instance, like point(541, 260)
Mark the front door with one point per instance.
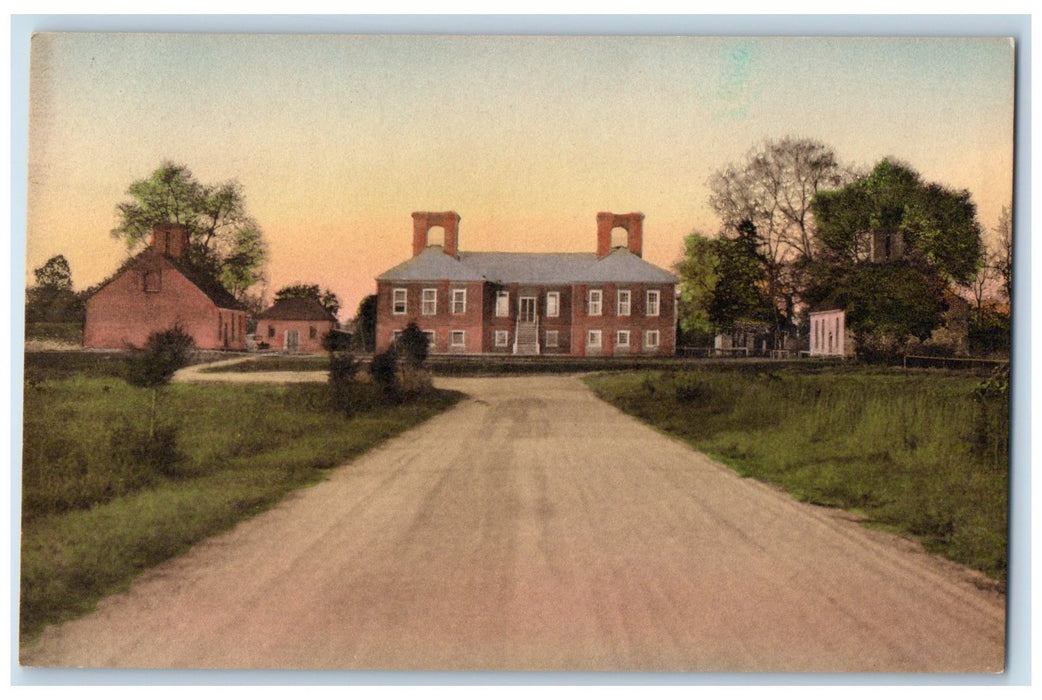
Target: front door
point(292, 341)
point(526, 312)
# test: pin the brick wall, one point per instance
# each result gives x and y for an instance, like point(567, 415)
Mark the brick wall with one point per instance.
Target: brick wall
point(123, 314)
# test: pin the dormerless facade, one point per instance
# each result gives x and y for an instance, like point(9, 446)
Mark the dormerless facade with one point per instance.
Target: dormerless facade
point(607, 303)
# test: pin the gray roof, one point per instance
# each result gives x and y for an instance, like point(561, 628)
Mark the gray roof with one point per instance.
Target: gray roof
point(527, 268)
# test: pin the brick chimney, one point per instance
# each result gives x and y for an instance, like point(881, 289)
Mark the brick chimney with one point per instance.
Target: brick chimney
point(424, 221)
point(170, 239)
point(634, 225)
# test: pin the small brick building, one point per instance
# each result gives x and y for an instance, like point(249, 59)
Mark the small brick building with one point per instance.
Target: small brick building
point(607, 303)
point(154, 291)
point(295, 326)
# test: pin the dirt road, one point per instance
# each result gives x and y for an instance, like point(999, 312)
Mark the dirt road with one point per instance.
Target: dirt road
point(534, 527)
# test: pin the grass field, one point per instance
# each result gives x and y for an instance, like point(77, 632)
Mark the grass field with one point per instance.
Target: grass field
point(94, 516)
point(920, 453)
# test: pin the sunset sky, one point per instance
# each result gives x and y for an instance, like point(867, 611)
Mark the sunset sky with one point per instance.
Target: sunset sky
point(337, 139)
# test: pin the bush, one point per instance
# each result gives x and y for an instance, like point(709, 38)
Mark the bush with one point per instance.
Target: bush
point(413, 345)
point(384, 371)
point(165, 353)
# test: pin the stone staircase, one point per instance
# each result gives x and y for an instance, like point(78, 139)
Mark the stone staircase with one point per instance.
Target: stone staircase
point(526, 338)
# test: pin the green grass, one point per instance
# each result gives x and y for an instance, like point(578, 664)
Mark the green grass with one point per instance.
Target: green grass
point(918, 453)
point(93, 517)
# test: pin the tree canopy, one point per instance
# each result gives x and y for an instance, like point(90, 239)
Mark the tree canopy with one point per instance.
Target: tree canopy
point(771, 192)
point(891, 300)
point(52, 299)
point(300, 290)
point(224, 240)
point(938, 225)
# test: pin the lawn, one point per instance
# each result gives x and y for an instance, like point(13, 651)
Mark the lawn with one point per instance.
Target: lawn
point(95, 513)
point(920, 453)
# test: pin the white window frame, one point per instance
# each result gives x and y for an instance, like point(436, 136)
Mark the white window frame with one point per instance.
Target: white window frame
point(453, 335)
point(502, 303)
point(551, 340)
point(429, 302)
point(622, 339)
point(648, 335)
point(399, 295)
point(395, 336)
point(502, 339)
point(459, 301)
point(594, 303)
point(653, 302)
point(592, 334)
point(553, 304)
point(625, 298)
point(430, 339)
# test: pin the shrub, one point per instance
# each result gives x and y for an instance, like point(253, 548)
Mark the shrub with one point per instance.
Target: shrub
point(384, 370)
point(413, 345)
point(165, 353)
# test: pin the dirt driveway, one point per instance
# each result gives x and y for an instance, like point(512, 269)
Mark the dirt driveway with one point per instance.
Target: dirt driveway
point(535, 527)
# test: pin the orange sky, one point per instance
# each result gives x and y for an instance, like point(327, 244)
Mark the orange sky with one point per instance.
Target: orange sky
point(337, 139)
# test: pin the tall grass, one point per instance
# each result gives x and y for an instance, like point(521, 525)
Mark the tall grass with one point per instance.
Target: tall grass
point(93, 517)
point(921, 453)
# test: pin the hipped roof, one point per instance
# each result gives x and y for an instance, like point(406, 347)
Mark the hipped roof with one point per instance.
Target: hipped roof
point(297, 309)
point(527, 268)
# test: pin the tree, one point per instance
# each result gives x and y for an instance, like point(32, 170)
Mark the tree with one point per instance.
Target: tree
point(738, 297)
point(365, 323)
point(1002, 259)
point(413, 345)
point(51, 299)
point(772, 189)
point(299, 290)
point(938, 226)
point(892, 299)
point(165, 352)
point(224, 240)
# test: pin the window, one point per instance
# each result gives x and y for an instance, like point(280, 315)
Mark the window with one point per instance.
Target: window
point(650, 339)
point(430, 339)
point(502, 303)
point(152, 281)
point(457, 339)
point(271, 331)
point(594, 305)
point(398, 305)
point(312, 332)
point(622, 339)
point(593, 339)
point(429, 302)
point(553, 304)
point(459, 301)
point(551, 339)
point(395, 336)
point(502, 339)
point(652, 306)
point(624, 303)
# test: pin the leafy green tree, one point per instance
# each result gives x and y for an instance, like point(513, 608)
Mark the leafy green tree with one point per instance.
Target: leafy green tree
point(165, 352)
point(365, 323)
point(889, 301)
point(52, 299)
point(698, 275)
point(740, 270)
point(413, 345)
point(938, 226)
point(300, 290)
point(224, 240)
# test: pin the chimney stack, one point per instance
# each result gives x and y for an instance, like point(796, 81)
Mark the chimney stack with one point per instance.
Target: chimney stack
point(634, 225)
point(170, 239)
point(424, 221)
